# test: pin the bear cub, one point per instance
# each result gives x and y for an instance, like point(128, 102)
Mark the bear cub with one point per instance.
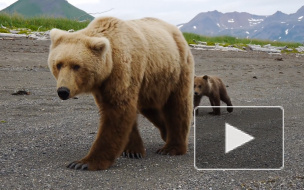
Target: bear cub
point(214, 88)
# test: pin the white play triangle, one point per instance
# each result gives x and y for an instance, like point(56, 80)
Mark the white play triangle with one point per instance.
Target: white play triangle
point(235, 138)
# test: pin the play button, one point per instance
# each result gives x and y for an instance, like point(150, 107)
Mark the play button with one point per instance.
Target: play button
point(235, 138)
point(249, 138)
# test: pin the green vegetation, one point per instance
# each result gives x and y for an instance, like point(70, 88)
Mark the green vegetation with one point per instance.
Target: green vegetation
point(41, 23)
point(2, 30)
point(228, 40)
point(27, 32)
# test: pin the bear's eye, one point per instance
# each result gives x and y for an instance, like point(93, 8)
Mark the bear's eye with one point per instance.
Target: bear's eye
point(194, 86)
point(200, 86)
point(59, 65)
point(75, 67)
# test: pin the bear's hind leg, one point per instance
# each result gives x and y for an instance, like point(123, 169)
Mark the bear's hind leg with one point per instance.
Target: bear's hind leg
point(155, 116)
point(178, 113)
point(135, 147)
point(225, 98)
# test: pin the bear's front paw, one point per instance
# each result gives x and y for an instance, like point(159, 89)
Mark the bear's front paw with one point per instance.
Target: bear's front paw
point(134, 149)
point(89, 165)
point(137, 153)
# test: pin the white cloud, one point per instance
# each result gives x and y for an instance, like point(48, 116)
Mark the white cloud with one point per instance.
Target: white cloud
point(182, 11)
point(81, 2)
point(8, 2)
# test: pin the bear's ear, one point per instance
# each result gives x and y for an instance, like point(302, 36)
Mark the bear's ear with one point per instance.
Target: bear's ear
point(194, 76)
point(56, 35)
point(100, 45)
point(205, 77)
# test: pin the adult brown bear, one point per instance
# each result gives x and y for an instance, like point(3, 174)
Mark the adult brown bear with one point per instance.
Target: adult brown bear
point(129, 67)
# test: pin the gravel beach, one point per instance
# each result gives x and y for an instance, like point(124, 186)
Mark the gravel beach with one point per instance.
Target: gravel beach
point(40, 134)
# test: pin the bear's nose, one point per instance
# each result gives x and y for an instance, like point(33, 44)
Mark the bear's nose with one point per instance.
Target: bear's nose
point(195, 93)
point(63, 93)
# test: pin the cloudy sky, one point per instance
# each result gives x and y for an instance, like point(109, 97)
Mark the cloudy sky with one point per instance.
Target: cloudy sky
point(178, 11)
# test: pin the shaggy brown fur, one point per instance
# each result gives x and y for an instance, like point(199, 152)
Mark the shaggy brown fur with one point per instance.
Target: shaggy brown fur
point(129, 66)
point(214, 88)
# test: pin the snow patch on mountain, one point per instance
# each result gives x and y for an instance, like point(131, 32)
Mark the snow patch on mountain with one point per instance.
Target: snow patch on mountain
point(253, 22)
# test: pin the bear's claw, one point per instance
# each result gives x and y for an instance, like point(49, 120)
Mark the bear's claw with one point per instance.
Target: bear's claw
point(78, 166)
point(163, 152)
point(132, 155)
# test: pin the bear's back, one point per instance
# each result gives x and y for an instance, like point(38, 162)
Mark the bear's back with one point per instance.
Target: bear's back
point(153, 50)
point(141, 34)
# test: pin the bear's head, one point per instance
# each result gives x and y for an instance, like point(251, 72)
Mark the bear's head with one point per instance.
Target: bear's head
point(78, 62)
point(201, 85)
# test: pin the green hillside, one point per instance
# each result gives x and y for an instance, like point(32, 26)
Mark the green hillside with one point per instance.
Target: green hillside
point(50, 8)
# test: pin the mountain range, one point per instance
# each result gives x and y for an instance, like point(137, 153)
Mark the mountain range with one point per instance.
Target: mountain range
point(276, 27)
point(53, 8)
